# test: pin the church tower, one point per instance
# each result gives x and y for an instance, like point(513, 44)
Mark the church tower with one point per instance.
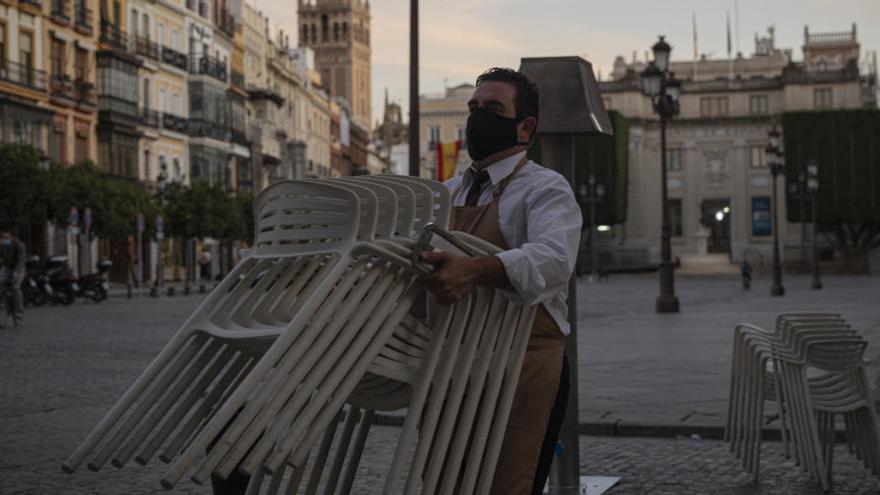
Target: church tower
point(339, 33)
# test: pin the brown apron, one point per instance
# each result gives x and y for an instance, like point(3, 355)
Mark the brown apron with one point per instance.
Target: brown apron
point(539, 378)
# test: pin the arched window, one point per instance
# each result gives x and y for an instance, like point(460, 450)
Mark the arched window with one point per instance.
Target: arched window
point(335, 31)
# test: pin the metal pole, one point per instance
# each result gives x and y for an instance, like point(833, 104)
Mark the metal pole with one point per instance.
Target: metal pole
point(817, 283)
point(776, 289)
point(565, 471)
point(666, 302)
point(594, 259)
point(414, 143)
point(139, 260)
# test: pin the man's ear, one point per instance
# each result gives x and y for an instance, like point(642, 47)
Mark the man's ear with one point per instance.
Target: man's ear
point(526, 129)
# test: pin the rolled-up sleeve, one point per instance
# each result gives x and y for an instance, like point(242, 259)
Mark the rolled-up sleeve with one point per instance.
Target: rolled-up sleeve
point(541, 267)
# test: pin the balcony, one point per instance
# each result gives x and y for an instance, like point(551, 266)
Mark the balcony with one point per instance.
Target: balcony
point(117, 110)
point(174, 57)
point(239, 137)
point(23, 75)
point(84, 92)
point(113, 36)
point(83, 17)
point(172, 122)
point(208, 66)
point(225, 22)
point(207, 128)
point(238, 79)
point(62, 87)
point(61, 11)
point(144, 47)
point(149, 118)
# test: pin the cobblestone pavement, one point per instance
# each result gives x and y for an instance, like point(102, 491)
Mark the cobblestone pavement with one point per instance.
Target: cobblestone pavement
point(66, 366)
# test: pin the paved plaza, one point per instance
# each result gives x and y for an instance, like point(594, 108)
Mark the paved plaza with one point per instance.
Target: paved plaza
point(64, 369)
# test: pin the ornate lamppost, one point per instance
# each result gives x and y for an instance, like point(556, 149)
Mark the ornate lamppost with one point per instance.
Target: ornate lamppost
point(664, 89)
point(774, 161)
point(592, 193)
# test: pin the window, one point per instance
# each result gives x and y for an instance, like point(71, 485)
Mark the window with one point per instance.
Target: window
point(335, 31)
point(304, 33)
point(58, 141)
point(146, 94)
point(673, 160)
point(146, 33)
point(26, 51)
point(160, 33)
point(822, 98)
point(713, 106)
point(147, 169)
point(175, 104)
point(161, 106)
point(80, 64)
point(757, 158)
point(2, 44)
point(132, 22)
point(81, 142)
point(325, 28)
point(758, 105)
point(433, 136)
point(175, 40)
point(674, 210)
point(56, 56)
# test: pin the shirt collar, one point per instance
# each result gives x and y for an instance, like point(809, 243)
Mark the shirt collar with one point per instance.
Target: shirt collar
point(498, 170)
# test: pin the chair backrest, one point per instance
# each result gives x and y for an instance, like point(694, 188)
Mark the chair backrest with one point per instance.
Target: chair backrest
point(386, 221)
point(441, 200)
point(837, 356)
point(406, 204)
point(295, 217)
point(369, 206)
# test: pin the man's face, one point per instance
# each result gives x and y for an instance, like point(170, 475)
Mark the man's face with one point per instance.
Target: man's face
point(499, 97)
point(496, 96)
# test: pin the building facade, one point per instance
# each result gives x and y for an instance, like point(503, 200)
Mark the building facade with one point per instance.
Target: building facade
point(339, 33)
point(443, 119)
point(718, 180)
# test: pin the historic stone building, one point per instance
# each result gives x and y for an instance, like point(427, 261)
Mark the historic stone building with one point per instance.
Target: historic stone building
point(443, 119)
point(715, 147)
point(339, 33)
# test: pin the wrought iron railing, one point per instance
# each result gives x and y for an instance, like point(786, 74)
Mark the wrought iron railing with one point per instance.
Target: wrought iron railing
point(61, 10)
point(112, 35)
point(149, 118)
point(207, 128)
point(174, 123)
point(144, 47)
point(23, 75)
point(62, 86)
point(85, 92)
point(174, 57)
point(208, 65)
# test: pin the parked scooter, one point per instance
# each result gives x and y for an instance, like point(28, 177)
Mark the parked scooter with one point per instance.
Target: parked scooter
point(62, 279)
point(94, 285)
point(36, 288)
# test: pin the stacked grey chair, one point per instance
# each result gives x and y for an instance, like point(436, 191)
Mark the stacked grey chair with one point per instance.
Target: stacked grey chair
point(811, 365)
point(313, 326)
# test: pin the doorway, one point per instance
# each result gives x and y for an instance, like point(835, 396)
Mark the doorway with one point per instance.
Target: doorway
point(716, 217)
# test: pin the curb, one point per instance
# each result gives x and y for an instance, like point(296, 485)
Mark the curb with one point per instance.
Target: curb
point(705, 432)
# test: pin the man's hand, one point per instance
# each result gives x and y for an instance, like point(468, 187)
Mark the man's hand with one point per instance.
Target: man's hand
point(454, 276)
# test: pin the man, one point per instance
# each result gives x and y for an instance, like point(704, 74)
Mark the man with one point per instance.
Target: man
point(12, 258)
point(530, 212)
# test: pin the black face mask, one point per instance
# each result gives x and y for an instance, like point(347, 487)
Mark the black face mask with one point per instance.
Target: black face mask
point(488, 133)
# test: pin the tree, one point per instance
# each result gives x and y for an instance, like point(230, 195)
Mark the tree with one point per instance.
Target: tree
point(845, 145)
point(22, 187)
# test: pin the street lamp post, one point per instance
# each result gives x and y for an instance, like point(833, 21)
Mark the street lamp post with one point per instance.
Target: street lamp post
point(592, 193)
point(813, 190)
point(160, 196)
point(774, 161)
point(661, 86)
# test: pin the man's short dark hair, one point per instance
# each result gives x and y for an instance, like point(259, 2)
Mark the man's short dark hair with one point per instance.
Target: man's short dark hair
point(526, 98)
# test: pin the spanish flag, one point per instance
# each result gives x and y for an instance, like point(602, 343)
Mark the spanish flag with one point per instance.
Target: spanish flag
point(447, 159)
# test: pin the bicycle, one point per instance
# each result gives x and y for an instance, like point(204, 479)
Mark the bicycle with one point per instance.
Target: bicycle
point(7, 301)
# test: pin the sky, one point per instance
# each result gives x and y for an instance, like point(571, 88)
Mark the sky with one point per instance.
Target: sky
point(461, 38)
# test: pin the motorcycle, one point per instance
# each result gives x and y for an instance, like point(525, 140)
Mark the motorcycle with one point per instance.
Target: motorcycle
point(94, 285)
point(62, 280)
point(35, 287)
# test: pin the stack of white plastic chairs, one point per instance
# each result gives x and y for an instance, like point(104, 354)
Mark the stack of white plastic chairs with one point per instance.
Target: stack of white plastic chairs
point(313, 326)
point(811, 365)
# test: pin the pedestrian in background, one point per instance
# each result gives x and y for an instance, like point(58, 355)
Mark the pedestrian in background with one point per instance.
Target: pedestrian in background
point(12, 258)
point(204, 267)
point(745, 269)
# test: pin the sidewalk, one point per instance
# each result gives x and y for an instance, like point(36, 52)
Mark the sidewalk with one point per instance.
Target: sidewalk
point(642, 373)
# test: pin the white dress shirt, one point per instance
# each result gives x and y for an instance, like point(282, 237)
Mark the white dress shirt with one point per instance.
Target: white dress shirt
point(541, 222)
